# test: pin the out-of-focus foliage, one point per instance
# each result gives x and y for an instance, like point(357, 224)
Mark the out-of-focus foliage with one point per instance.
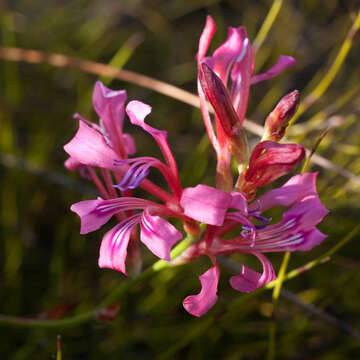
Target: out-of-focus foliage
point(46, 263)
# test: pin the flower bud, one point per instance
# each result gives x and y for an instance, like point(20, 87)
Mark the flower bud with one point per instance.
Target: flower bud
point(219, 98)
point(278, 120)
point(269, 161)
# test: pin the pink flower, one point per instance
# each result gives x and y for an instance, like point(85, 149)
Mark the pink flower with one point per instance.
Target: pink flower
point(296, 231)
point(234, 58)
point(156, 233)
point(99, 146)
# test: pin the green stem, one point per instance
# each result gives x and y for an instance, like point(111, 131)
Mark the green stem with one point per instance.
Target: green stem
point(267, 24)
point(116, 294)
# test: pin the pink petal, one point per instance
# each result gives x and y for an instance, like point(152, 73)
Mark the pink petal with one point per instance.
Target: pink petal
point(137, 112)
point(198, 305)
point(239, 202)
point(72, 164)
point(129, 144)
point(158, 235)
point(308, 212)
point(241, 79)
point(90, 219)
point(249, 280)
point(95, 213)
point(230, 52)
point(282, 63)
point(109, 105)
point(205, 38)
point(88, 147)
point(206, 204)
point(311, 239)
point(114, 244)
point(295, 189)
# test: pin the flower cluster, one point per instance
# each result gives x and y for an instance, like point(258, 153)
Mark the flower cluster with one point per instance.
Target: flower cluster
point(232, 212)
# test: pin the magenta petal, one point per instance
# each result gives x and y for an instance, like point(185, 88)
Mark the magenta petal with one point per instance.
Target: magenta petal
point(158, 235)
point(129, 144)
point(72, 164)
point(205, 38)
point(295, 189)
point(88, 147)
point(109, 105)
point(90, 219)
point(137, 112)
point(239, 202)
point(199, 304)
point(249, 280)
point(308, 212)
point(282, 63)
point(206, 204)
point(312, 238)
point(231, 51)
point(114, 244)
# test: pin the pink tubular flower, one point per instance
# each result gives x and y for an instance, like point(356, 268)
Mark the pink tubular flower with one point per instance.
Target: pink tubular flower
point(235, 222)
point(235, 57)
point(296, 231)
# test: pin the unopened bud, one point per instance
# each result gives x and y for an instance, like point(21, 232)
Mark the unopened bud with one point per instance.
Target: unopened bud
point(278, 120)
point(269, 161)
point(219, 98)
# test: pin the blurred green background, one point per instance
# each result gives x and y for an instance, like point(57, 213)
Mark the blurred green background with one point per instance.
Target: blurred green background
point(48, 270)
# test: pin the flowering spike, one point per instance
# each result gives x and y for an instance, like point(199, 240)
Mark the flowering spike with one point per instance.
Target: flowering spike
point(278, 120)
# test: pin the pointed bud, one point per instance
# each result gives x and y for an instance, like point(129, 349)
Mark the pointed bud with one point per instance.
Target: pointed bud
point(219, 98)
point(278, 120)
point(269, 161)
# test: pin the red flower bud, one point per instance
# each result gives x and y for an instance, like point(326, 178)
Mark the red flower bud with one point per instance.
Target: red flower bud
point(269, 161)
point(219, 98)
point(278, 120)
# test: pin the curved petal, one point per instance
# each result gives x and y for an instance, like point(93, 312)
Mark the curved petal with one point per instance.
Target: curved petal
point(296, 188)
point(109, 105)
point(88, 147)
point(158, 235)
point(231, 51)
point(249, 280)
point(206, 204)
point(241, 79)
point(199, 304)
point(137, 112)
point(239, 202)
point(95, 213)
point(90, 220)
point(205, 38)
point(72, 164)
point(282, 63)
point(312, 238)
point(113, 249)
